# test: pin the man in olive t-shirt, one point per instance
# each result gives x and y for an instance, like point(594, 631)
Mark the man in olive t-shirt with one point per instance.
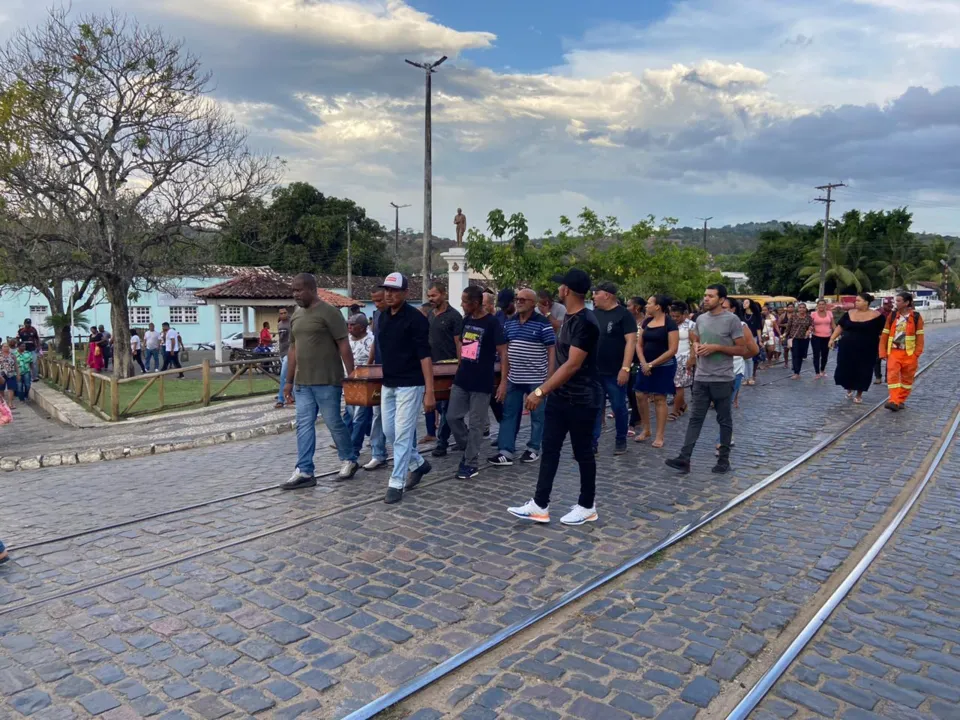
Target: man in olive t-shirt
point(319, 352)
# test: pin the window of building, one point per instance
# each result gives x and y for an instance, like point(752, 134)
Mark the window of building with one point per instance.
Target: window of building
point(231, 314)
point(140, 315)
point(183, 315)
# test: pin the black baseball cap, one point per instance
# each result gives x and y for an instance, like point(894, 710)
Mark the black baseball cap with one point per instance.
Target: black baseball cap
point(505, 297)
point(607, 287)
point(575, 279)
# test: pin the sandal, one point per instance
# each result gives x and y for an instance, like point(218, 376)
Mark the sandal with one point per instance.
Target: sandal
point(642, 437)
point(278, 406)
point(858, 401)
point(657, 444)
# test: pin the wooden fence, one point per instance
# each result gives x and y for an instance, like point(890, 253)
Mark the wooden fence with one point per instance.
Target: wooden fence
point(102, 393)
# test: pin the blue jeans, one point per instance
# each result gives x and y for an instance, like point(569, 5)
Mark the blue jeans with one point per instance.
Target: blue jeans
point(359, 421)
point(155, 354)
point(401, 409)
point(378, 441)
point(23, 392)
point(442, 429)
point(283, 379)
point(512, 411)
point(324, 399)
point(618, 401)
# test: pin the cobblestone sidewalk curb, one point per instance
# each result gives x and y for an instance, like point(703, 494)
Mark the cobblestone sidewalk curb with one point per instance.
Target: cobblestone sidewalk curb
point(10, 464)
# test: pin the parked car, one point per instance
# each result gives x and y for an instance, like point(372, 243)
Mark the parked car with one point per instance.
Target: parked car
point(234, 341)
point(928, 303)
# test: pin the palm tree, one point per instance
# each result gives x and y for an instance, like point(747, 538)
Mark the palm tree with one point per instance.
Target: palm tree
point(898, 249)
point(931, 269)
point(846, 262)
point(60, 324)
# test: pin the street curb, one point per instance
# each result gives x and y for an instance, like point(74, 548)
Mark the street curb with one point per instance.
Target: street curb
point(83, 457)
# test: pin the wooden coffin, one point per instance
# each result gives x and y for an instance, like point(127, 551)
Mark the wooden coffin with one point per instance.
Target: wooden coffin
point(364, 385)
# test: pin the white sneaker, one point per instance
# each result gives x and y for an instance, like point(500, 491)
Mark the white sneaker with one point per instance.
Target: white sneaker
point(579, 515)
point(348, 470)
point(531, 511)
point(298, 475)
point(374, 464)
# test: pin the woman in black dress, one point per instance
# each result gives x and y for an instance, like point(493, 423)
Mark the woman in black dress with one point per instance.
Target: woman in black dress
point(859, 345)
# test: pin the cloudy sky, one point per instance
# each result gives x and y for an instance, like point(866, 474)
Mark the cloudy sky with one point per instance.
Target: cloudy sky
point(729, 108)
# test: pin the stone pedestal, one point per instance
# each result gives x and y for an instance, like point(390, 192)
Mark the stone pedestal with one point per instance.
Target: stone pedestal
point(458, 278)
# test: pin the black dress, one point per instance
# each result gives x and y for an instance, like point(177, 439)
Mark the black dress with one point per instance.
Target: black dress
point(858, 349)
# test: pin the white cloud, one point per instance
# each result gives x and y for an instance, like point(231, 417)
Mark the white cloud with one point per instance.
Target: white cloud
point(732, 108)
point(374, 25)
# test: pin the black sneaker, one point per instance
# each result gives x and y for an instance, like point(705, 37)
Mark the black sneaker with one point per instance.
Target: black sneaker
point(298, 481)
point(439, 451)
point(500, 459)
point(890, 405)
point(722, 466)
point(678, 464)
point(529, 456)
point(466, 472)
point(417, 475)
point(394, 495)
point(621, 448)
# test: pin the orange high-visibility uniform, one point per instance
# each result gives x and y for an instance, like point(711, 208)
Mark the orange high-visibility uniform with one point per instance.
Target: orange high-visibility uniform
point(902, 362)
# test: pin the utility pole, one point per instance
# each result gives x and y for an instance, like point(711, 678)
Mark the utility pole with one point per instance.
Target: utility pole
point(705, 230)
point(826, 233)
point(396, 235)
point(429, 69)
point(349, 264)
point(944, 286)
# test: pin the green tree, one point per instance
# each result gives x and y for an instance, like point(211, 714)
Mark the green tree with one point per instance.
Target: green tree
point(113, 142)
point(847, 259)
point(897, 250)
point(302, 230)
point(774, 267)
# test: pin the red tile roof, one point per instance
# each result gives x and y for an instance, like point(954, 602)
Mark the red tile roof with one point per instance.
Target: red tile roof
point(265, 284)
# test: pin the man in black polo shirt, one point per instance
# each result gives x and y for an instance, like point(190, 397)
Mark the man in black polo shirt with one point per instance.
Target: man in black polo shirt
point(575, 398)
point(445, 326)
point(403, 348)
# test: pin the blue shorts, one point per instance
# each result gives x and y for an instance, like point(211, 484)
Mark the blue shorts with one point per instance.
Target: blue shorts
point(9, 383)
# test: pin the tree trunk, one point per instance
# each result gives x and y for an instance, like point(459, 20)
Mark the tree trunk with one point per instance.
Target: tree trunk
point(63, 344)
point(118, 293)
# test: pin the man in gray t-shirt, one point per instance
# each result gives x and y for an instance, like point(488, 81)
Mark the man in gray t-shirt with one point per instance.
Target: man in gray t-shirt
point(717, 338)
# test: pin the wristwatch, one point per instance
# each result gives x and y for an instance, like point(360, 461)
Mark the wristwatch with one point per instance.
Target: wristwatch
point(538, 392)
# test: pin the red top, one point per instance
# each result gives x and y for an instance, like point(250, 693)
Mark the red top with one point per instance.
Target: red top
point(265, 337)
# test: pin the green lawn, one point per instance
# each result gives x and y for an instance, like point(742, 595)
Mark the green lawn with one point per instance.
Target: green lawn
point(188, 390)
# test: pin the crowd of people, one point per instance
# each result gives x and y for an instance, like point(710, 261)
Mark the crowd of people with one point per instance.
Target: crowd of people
point(563, 364)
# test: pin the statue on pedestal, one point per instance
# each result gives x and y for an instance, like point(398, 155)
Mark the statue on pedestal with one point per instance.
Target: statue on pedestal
point(460, 220)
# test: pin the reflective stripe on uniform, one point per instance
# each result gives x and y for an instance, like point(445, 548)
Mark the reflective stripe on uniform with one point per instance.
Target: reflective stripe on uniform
point(894, 386)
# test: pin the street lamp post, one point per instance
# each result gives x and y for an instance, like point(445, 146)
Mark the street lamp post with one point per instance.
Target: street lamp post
point(428, 69)
point(396, 232)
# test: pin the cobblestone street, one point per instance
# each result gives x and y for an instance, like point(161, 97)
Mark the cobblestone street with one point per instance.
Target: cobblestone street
point(135, 589)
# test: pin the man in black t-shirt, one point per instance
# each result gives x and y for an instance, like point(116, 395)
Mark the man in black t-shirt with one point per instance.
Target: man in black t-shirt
point(575, 393)
point(446, 325)
point(481, 341)
point(618, 341)
point(29, 336)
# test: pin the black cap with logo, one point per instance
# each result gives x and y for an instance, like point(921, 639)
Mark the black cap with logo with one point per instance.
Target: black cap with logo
point(575, 279)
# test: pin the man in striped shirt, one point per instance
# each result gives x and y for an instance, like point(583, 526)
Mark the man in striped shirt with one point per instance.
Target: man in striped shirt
point(532, 357)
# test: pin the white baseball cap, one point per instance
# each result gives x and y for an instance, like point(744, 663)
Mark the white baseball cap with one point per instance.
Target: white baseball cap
point(394, 281)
